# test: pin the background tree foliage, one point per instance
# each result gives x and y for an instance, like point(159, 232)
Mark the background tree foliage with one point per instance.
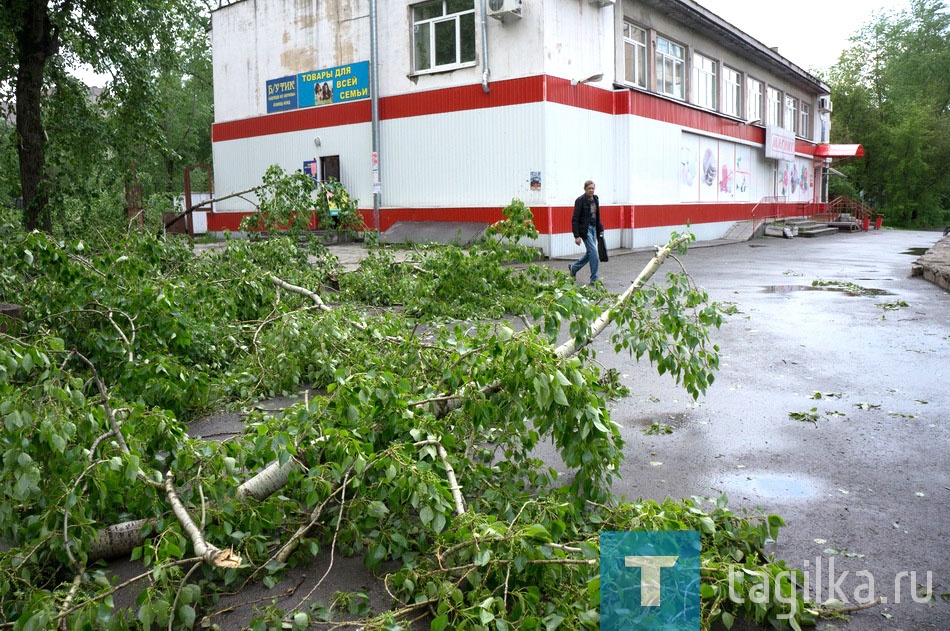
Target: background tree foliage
point(891, 93)
point(73, 156)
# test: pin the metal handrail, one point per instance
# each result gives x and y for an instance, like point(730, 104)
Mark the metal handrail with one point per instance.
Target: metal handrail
point(843, 204)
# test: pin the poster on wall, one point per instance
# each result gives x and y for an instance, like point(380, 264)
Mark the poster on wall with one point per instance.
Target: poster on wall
point(282, 94)
point(742, 182)
point(325, 86)
point(795, 180)
point(727, 171)
point(708, 170)
point(712, 170)
point(310, 168)
point(688, 168)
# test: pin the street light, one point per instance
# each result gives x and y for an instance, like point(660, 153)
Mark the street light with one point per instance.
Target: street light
point(593, 77)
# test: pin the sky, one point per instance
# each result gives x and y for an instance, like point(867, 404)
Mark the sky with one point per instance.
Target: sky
point(809, 33)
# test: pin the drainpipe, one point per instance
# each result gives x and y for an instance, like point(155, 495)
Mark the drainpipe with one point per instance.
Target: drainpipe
point(485, 72)
point(374, 91)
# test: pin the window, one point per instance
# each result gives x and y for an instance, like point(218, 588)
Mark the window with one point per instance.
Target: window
point(731, 92)
point(773, 107)
point(754, 97)
point(443, 35)
point(804, 118)
point(670, 68)
point(705, 80)
point(634, 55)
point(791, 113)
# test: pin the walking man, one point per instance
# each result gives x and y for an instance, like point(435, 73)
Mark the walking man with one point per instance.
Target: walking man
point(586, 226)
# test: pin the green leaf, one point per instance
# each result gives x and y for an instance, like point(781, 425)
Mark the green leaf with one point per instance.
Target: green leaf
point(727, 619)
point(377, 509)
point(482, 556)
point(187, 615)
point(538, 532)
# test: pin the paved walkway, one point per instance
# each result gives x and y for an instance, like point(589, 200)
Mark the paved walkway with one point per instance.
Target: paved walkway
point(934, 265)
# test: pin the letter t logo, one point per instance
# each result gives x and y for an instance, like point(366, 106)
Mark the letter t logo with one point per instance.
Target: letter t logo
point(649, 576)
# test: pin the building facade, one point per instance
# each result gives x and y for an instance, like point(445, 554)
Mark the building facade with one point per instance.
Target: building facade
point(446, 110)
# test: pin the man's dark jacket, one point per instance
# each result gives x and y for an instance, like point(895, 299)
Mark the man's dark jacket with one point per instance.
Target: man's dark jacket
point(580, 221)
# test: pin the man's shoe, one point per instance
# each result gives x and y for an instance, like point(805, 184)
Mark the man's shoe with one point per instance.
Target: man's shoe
point(570, 268)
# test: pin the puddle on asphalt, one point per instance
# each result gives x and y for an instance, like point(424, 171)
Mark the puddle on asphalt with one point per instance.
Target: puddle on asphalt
point(771, 485)
point(916, 251)
point(848, 290)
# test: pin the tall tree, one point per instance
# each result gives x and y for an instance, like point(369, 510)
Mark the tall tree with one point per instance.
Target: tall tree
point(892, 94)
point(134, 40)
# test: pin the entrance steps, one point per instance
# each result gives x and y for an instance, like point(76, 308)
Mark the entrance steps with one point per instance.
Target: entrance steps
point(809, 228)
point(796, 227)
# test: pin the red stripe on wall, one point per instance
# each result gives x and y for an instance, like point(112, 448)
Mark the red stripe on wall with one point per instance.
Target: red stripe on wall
point(296, 120)
point(693, 214)
point(536, 89)
point(557, 219)
point(468, 97)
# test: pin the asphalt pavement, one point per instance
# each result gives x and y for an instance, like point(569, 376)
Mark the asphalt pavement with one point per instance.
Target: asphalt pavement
point(831, 408)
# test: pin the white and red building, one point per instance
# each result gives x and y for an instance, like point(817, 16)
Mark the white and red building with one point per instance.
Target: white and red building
point(445, 110)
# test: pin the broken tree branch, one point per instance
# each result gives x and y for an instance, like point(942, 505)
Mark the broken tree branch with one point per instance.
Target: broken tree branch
point(572, 347)
point(449, 473)
point(443, 407)
point(209, 553)
point(209, 202)
point(118, 539)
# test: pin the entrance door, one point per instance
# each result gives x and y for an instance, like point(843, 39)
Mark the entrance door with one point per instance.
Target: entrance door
point(330, 167)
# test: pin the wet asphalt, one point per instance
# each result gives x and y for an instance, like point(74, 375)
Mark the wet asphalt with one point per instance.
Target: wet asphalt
point(860, 472)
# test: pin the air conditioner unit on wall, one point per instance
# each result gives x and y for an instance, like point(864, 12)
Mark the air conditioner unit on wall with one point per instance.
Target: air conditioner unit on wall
point(504, 9)
point(824, 103)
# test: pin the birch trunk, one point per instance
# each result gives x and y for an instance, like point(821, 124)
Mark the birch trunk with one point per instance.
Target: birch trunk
point(117, 540)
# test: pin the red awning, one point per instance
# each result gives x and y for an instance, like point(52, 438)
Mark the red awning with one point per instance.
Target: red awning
point(839, 151)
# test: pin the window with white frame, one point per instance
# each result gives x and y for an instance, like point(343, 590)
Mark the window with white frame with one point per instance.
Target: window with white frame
point(705, 80)
point(731, 91)
point(670, 67)
point(804, 118)
point(443, 35)
point(755, 97)
point(790, 119)
point(634, 55)
point(773, 107)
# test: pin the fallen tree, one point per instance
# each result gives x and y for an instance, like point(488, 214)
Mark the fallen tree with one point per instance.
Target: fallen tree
point(416, 448)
